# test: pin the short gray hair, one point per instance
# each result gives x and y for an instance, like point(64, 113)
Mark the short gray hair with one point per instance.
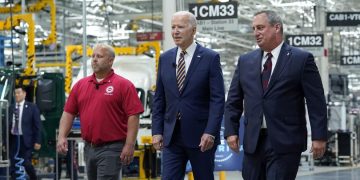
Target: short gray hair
point(110, 50)
point(191, 17)
point(273, 18)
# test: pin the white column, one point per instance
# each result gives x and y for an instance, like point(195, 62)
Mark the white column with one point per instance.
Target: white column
point(324, 67)
point(323, 60)
point(22, 41)
point(169, 8)
point(343, 116)
point(84, 45)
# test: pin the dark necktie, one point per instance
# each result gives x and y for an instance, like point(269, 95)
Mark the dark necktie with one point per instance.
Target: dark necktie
point(16, 115)
point(266, 72)
point(180, 76)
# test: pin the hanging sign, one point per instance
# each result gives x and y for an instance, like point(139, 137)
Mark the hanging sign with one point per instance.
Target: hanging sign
point(350, 60)
point(215, 16)
point(312, 43)
point(342, 18)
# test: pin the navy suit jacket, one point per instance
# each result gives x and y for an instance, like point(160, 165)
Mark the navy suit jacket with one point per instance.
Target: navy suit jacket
point(295, 82)
point(30, 123)
point(201, 103)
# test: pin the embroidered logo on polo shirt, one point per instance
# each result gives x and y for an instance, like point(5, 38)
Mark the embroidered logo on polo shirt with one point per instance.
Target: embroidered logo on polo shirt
point(109, 90)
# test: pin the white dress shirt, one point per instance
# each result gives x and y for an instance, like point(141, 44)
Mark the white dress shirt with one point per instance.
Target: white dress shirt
point(275, 55)
point(21, 108)
point(188, 56)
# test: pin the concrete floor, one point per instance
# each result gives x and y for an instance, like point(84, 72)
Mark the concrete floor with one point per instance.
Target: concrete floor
point(319, 173)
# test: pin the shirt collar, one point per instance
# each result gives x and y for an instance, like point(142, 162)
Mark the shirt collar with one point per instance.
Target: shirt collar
point(189, 51)
point(21, 103)
point(106, 79)
point(275, 52)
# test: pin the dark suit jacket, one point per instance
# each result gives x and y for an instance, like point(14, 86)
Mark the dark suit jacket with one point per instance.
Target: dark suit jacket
point(31, 124)
point(201, 103)
point(294, 79)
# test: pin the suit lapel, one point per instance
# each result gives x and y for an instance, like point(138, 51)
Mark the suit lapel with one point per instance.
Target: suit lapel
point(194, 62)
point(283, 58)
point(24, 112)
point(257, 63)
point(172, 70)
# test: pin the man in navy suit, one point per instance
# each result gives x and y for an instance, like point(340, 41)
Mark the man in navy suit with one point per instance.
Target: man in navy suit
point(188, 103)
point(272, 85)
point(25, 126)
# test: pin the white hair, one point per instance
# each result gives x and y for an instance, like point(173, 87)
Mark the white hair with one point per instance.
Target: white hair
point(191, 17)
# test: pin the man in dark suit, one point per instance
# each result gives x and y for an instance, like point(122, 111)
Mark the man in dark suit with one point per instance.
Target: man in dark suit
point(272, 91)
point(188, 103)
point(25, 133)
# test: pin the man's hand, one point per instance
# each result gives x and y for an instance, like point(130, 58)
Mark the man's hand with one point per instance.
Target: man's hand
point(37, 146)
point(206, 142)
point(127, 154)
point(62, 145)
point(318, 148)
point(233, 143)
point(157, 141)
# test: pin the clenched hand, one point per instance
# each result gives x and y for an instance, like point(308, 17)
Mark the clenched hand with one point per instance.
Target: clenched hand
point(127, 154)
point(318, 148)
point(157, 141)
point(233, 143)
point(206, 142)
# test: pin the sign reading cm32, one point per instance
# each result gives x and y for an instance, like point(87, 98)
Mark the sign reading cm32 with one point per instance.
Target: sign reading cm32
point(316, 40)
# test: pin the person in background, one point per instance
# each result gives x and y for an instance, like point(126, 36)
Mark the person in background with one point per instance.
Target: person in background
point(188, 103)
point(109, 108)
point(271, 86)
point(25, 133)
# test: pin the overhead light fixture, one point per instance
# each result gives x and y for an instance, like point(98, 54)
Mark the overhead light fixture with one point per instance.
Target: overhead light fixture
point(277, 3)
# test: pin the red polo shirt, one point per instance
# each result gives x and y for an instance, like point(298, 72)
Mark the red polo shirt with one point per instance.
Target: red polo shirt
point(103, 107)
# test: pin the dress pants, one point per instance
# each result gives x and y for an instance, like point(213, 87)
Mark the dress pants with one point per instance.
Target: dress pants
point(24, 153)
point(103, 162)
point(176, 156)
point(266, 164)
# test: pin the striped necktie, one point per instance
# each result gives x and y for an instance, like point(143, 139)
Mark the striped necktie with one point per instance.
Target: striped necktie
point(180, 76)
point(266, 73)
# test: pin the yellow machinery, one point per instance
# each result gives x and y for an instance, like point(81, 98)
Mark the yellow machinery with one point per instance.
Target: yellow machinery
point(7, 25)
point(147, 141)
point(70, 49)
point(51, 39)
point(140, 49)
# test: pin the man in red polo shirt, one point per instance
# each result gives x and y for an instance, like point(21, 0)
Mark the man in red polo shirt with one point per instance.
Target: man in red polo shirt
point(109, 108)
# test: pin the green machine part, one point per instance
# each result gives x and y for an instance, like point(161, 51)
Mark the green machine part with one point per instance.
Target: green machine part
point(50, 98)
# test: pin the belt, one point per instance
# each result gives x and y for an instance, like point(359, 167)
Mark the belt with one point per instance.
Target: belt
point(95, 145)
point(263, 132)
